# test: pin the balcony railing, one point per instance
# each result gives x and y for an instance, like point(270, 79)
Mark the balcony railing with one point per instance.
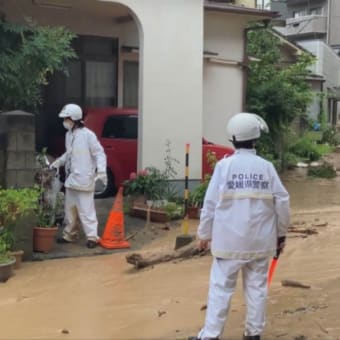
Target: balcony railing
point(309, 24)
point(299, 2)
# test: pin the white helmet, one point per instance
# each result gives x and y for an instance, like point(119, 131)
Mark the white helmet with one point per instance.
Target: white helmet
point(72, 111)
point(245, 126)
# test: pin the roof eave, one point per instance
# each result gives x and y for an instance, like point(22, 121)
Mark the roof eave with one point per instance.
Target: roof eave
point(220, 7)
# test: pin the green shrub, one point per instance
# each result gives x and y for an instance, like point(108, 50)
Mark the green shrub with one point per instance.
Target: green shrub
point(196, 196)
point(14, 203)
point(29, 55)
point(324, 149)
point(174, 210)
point(305, 148)
point(325, 170)
point(331, 136)
point(291, 159)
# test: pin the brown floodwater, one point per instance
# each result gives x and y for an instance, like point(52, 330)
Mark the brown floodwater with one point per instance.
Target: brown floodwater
point(312, 193)
point(105, 298)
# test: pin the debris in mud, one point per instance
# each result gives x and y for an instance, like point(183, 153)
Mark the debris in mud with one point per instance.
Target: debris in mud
point(298, 236)
point(131, 236)
point(145, 259)
point(320, 223)
point(293, 311)
point(296, 284)
point(303, 309)
point(22, 297)
point(316, 307)
point(321, 328)
point(161, 312)
point(307, 231)
point(299, 223)
point(282, 334)
point(204, 307)
point(65, 331)
point(300, 337)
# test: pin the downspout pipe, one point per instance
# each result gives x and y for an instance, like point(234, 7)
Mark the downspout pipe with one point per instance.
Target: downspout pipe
point(328, 21)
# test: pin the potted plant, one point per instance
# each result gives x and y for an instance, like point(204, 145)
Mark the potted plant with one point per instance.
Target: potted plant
point(146, 185)
point(6, 261)
point(14, 203)
point(45, 231)
point(174, 210)
point(196, 196)
point(149, 191)
point(196, 199)
point(135, 188)
point(49, 204)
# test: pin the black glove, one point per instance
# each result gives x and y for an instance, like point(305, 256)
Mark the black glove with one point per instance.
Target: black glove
point(280, 245)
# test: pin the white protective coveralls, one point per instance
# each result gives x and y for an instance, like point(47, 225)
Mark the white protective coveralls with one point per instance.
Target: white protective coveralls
point(246, 208)
point(84, 157)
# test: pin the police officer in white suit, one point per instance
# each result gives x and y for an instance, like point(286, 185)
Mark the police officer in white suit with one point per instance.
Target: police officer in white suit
point(85, 162)
point(244, 219)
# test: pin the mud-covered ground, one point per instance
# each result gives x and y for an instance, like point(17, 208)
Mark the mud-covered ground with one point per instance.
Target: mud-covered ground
point(103, 297)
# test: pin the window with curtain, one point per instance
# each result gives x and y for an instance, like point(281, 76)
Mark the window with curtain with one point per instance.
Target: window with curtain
point(100, 83)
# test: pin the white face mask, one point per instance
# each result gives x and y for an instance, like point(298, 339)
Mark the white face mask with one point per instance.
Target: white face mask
point(68, 125)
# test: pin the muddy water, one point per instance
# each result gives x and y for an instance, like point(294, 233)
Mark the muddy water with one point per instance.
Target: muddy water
point(312, 193)
point(104, 298)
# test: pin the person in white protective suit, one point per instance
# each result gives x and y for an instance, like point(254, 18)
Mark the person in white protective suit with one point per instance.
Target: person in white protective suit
point(85, 162)
point(244, 220)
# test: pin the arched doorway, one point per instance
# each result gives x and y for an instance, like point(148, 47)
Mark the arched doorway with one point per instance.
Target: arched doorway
point(106, 71)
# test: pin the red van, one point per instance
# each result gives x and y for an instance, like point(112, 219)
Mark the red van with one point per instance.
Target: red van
point(117, 129)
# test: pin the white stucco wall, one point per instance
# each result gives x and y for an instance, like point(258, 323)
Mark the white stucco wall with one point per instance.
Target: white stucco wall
point(170, 80)
point(222, 83)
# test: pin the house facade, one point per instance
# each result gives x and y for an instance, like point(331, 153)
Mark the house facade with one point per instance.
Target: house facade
point(315, 26)
point(182, 63)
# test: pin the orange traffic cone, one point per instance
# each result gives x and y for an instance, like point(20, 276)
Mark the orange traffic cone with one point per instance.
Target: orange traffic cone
point(113, 236)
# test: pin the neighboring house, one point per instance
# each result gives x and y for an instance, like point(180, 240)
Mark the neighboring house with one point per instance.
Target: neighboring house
point(181, 62)
point(315, 25)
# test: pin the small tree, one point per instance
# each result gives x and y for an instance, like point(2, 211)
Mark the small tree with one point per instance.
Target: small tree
point(28, 56)
point(277, 91)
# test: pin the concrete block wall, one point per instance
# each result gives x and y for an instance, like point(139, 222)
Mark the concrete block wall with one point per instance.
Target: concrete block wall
point(18, 149)
point(2, 150)
point(18, 168)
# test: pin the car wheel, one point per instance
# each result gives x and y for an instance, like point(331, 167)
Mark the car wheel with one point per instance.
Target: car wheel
point(108, 190)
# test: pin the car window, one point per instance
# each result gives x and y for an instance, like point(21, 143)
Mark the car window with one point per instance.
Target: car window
point(122, 127)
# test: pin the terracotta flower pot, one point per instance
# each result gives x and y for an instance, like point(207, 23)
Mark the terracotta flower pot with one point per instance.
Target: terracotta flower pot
point(43, 239)
point(6, 269)
point(193, 212)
